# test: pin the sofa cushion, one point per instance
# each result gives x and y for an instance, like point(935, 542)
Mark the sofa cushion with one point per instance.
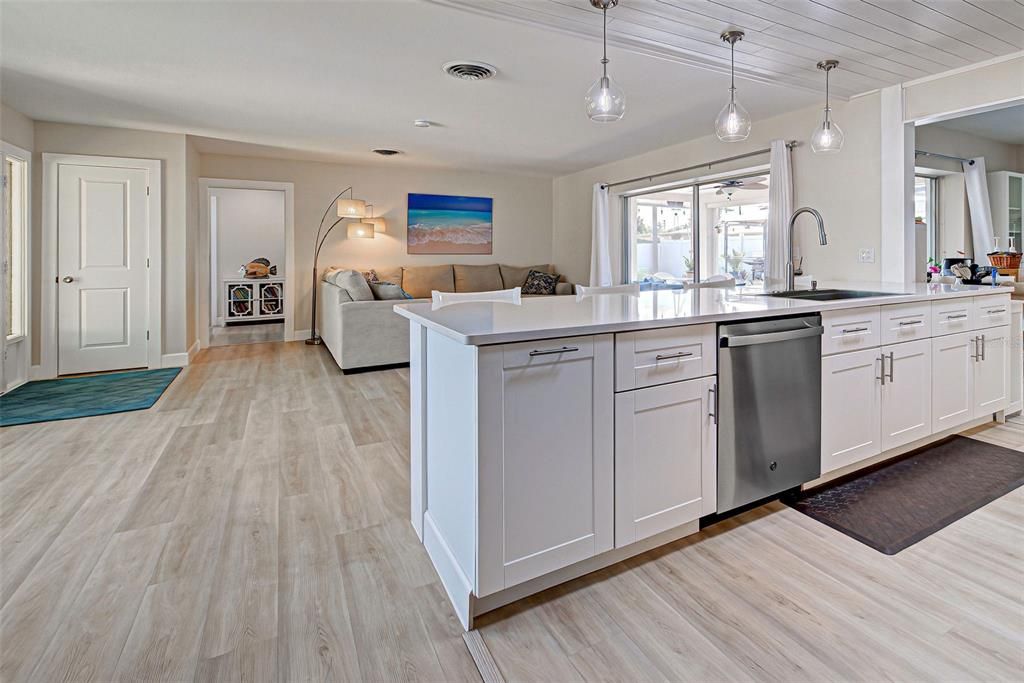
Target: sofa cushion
point(389, 274)
point(353, 282)
point(514, 276)
point(388, 291)
point(539, 282)
point(477, 278)
point(420, 281)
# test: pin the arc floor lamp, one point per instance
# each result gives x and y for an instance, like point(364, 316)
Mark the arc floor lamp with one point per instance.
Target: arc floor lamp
point(347, 208)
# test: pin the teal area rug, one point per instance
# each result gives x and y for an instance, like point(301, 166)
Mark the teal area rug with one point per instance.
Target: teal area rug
point(71, 397)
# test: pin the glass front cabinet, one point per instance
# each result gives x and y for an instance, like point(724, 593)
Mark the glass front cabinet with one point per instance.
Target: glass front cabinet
point(254, 299)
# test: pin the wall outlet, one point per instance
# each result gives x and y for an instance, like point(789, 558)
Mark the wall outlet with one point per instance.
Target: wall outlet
point(866, 255)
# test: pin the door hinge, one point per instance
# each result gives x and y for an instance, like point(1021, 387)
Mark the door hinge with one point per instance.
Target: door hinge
point(147, 263)
point(147, 190)
point(147, 335)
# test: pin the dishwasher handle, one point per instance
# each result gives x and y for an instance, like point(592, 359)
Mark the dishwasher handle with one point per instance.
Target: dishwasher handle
point(771, 337)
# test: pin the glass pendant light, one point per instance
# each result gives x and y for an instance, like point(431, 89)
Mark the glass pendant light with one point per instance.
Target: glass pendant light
point(605, 101)
point(733, 122)
point(828, 137)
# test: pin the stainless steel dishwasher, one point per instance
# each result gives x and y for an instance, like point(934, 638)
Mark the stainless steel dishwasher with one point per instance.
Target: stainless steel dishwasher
point(769, 408)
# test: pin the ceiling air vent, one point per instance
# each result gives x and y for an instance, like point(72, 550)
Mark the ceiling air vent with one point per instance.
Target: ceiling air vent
point(469, 71)
point(386, 152)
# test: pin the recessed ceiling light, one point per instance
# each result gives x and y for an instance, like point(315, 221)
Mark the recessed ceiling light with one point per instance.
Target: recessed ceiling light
point(422, 123)
point(468, 70)
point(386, 152)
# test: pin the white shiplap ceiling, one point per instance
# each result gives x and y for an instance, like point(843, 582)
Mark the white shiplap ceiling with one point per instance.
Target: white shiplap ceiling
point(332, 80)
point(878, 42)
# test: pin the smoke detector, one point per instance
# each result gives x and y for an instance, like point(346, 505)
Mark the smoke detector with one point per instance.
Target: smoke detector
point(469, 71)
point(386, 152)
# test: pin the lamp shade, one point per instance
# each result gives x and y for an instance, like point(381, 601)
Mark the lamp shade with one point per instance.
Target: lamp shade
point(361, 230)
point(351, 208)
point(379, 224)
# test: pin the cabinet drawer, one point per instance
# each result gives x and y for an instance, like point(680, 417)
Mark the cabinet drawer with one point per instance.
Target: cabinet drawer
point(850, 330)
point(650, 357)
point(547, 352)
point(906, 322)
point(991, 311)
point(952, 317)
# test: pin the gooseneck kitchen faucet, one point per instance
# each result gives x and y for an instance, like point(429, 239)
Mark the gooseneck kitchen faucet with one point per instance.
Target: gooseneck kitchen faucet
point(822, 238)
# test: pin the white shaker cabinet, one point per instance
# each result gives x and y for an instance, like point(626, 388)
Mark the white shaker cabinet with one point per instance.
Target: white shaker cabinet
point(906, 393)
point(991, 371)
point(850, 408)
point(953, 361)
point(547, 467)
point(665, 464)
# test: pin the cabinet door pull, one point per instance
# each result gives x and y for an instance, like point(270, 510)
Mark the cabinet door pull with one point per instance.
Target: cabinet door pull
point(670, 356)
point(982, 347)
point(997, 310)
point(977, 349)
point(854, 329)
point(892, 364)
point(548, 352)
point(881, 359)
point(956, 317)
point(713, 402)
point(905, 323)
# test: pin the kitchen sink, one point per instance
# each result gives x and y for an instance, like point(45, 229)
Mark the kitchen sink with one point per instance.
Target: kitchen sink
point(828, 294)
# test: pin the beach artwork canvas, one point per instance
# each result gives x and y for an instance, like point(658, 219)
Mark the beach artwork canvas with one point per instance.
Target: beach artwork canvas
point(442, 224)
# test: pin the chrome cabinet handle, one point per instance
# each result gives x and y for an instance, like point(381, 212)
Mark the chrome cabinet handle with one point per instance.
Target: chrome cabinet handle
point(713, 402)
point(977, 349)
point(892, 364)
point(670, 356)
point(68, 279)
point(997, 310)
point(910, 322)
point(982, 347)
point(956, 317)
point(548, 352)
point(855, 329)
point(881, 359)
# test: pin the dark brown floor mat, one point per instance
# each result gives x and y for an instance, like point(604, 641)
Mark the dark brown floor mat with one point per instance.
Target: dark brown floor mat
point(897, 504)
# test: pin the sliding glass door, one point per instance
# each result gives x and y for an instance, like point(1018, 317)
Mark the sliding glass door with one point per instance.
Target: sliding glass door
point(692, 232)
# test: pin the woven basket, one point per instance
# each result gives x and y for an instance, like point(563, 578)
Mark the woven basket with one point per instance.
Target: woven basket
point(1011, 261)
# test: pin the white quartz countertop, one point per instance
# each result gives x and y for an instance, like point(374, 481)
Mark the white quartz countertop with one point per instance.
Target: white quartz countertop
point(536, 318)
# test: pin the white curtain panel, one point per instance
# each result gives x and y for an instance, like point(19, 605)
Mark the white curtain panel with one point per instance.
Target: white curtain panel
point(780, 207)
point(981, 211)
point(600, 245)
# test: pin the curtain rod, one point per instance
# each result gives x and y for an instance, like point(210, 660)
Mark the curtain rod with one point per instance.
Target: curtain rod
point(708, 164)
point(922, 153)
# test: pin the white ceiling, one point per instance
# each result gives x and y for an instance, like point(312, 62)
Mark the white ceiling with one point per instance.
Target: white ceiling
point(335, 79)
point(1002, 125)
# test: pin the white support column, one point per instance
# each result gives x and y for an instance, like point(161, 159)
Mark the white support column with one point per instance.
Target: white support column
point(897, 177)
point(418, 425)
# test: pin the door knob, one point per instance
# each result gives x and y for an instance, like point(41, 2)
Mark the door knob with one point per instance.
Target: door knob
point(68, 278)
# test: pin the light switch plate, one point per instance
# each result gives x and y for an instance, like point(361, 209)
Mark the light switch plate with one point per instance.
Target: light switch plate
point(866, 255)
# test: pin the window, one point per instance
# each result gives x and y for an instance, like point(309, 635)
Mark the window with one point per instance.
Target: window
point(670, 243)
point(15, 220)
point(926, 220)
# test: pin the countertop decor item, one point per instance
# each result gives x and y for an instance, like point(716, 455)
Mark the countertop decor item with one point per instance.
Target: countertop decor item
point(346, 208)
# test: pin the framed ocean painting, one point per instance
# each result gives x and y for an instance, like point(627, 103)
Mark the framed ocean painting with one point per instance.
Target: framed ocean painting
point(443, 224)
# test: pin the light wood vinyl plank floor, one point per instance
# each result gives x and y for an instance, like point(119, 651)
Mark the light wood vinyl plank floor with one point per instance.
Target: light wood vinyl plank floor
point(254, 526)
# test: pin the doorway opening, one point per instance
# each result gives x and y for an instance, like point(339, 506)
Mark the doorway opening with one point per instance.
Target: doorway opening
point(248, 266)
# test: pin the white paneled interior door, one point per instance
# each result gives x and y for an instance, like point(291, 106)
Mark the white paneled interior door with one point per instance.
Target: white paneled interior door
point(102, 278)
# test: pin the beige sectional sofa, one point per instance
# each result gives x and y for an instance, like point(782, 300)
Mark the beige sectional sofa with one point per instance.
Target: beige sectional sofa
point(366, 333)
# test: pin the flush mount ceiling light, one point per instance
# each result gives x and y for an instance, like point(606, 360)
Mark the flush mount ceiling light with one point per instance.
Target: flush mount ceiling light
point(828, 137)
point(605, 101)
point(422, 123)
point(466, 70)
point(733, 122)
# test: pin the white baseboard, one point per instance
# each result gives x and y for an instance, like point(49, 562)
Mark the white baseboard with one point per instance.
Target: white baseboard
point(193, 350)
point(36, 372)
point(300, 335)
point(179, 360)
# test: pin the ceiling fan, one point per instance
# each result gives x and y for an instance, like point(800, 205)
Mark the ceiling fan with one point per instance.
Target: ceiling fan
point(730, 186)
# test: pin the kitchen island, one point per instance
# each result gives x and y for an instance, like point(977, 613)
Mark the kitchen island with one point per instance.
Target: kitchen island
point(559, 436)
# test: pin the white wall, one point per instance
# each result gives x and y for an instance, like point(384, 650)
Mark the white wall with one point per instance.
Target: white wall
point(844, 187)
point(522, 212)
point(999, 156)
point(192, 233)
point(16, 128)
point(1001, 80)
point(170, 149)
point(250, 224)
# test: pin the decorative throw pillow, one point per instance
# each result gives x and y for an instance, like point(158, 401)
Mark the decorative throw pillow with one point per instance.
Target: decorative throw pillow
point(388, 291)
point(371, 276)
point(353, 282)
point(540, 283)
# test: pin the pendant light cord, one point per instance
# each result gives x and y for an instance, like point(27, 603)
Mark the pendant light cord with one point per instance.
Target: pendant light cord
point(604, 41)
point(732, 70)
point(827, 109)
